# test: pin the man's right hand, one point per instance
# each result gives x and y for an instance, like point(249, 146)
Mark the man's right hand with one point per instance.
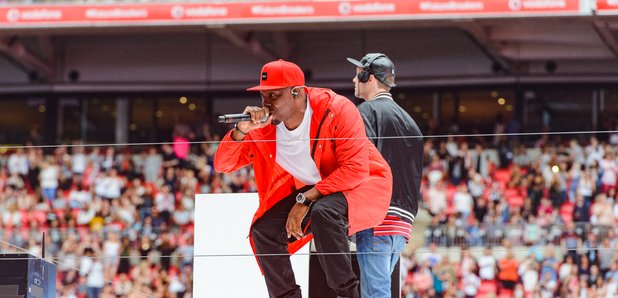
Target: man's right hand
point(257, 115)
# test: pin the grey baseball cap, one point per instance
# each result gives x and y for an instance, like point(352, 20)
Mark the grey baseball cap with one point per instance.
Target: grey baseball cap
point(379, 65)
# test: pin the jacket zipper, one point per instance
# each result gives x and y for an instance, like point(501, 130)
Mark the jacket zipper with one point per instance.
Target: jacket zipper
point(317, 135)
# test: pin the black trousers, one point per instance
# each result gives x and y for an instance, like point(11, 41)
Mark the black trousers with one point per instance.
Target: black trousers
point(329, 225)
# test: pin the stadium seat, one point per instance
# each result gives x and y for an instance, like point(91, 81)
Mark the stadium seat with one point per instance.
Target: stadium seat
point(515, 201)
point(505, 293)
point(510, 192)
point(450, 192)
point(502, 175)
point(488, 289)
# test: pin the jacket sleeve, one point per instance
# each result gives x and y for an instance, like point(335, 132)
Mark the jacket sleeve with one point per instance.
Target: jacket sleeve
point(351, 152)
point(232, 155)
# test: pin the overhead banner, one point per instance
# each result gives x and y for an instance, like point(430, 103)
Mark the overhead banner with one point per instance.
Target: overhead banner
point(607, 6)
point(275, 12)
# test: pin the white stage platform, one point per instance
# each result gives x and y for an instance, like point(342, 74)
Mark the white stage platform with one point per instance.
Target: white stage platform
point(224, 265)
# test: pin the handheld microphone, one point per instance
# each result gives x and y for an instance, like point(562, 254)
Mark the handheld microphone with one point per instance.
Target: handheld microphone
point(235, 118)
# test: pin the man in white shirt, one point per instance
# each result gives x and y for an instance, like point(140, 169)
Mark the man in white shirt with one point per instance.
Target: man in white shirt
point(92, 269)
point(487, 265)
point(79, 160)
point(463, 201)
point(471, 283)
point(18, 163)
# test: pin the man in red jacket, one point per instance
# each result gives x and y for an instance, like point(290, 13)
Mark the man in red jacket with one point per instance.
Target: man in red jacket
point(313, 164)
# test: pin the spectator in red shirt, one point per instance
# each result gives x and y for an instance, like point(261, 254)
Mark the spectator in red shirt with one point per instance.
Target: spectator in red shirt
point(508, 271)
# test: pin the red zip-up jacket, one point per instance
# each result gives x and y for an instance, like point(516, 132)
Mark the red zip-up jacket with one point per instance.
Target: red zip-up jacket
point(347, 161)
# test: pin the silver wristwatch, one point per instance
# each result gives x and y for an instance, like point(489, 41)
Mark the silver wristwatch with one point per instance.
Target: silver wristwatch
point(302, 199)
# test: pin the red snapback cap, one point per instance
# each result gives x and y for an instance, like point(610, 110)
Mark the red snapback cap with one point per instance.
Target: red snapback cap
point(278, 75)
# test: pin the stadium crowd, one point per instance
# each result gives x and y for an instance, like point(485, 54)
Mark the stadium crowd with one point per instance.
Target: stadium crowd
point(119, 221)
point(555, 201)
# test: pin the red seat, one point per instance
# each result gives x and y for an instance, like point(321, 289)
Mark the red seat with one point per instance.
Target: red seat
point(488, 289)
point(450, 192)
point(513, 197)
point(502, 184)
point(505, 293)
point(25, 218)
point(39, 216)
point(502, 175)
point(515, 201)
point(511, 192)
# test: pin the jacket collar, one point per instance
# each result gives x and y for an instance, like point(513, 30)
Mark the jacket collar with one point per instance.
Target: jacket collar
point(320, 100)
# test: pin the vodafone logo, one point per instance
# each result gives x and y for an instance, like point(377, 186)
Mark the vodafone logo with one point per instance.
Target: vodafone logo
point(36, 14)
point(13, 15)
point(348, 8)
point(345, 8)
point(178, 12)
point(537, 4)
point(208, 11)
point(515, 4)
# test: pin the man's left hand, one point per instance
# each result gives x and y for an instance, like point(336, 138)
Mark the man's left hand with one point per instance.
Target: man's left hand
point(294, 224)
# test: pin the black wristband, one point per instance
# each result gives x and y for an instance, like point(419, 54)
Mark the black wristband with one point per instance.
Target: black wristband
point(238, 129)
point(308, 203)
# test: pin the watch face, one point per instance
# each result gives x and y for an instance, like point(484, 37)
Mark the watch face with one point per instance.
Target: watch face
point(300, 198)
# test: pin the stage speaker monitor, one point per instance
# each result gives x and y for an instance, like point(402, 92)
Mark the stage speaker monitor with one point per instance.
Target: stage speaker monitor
point(26, 276)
